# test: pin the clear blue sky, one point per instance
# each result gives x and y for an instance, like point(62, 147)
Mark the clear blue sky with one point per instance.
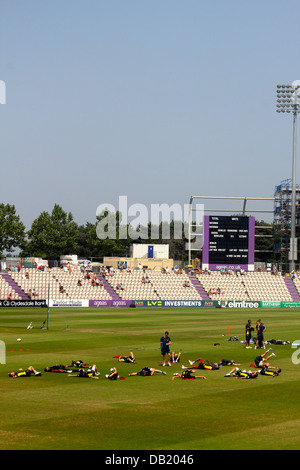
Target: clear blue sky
point(156, 100)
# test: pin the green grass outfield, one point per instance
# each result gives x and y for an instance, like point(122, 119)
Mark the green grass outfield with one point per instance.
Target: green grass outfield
point(55, 411)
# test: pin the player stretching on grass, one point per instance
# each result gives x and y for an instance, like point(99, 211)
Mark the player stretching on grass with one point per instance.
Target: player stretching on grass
point(175, 357)
point(242, 374)
point(59, 368)
point(187, 374)
point(91, 373)
point(272, 373)
point(24, 373)
point(202, 365)
point(127, 359)
point(146, 371)
point(80, 364)
point(113, 374)
point(260, 361)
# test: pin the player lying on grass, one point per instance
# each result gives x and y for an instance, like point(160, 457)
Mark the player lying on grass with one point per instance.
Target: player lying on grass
point(24, 373)
point(228, 362)
point(59, 368)
point(127, 359)
point(271, 373)
point(91, 373)
point(203, 365)
point(210, 366)
point(261, 361)
point(175, 357)
point(146, 371)
point(79, 364)
point(241, 374)
point(187, 374)
point(113, 374)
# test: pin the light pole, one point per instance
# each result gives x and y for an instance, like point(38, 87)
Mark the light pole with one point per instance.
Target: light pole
point(288, 100)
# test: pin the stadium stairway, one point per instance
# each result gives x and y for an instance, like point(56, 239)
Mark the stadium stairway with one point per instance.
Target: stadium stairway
point(292, 289)
point(14, 286)
point(203, 294)
point(108, 288)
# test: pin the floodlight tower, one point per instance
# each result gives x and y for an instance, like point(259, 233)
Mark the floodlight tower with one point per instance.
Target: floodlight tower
point(288, 100)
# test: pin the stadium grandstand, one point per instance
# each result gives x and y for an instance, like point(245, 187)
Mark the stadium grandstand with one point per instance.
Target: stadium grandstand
point(226, 272)
point(147, 284)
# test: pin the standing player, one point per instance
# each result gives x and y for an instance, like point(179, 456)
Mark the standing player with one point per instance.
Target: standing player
point(260, 329)
point(165, 342)
point(248, 334)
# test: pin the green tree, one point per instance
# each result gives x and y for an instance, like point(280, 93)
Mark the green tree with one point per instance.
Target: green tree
point(12, 230)
point(53, 234)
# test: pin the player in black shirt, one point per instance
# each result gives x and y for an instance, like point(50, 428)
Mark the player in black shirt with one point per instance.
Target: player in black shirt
point(80, 364)
point(58, 368)
point(175, 357)
point(241, 374)
point(147, 371)
point(260, 361)
point(91, 373)
point(187, 374)
point(127, 359)
point(249, 329)
point(24, 373)
point(113, 374)
point(272, 373)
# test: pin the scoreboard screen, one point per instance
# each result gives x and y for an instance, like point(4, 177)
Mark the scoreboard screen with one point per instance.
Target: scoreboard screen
point(228, 242)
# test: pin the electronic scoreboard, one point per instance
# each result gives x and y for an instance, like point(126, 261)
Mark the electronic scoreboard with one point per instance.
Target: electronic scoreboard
point(228, 242)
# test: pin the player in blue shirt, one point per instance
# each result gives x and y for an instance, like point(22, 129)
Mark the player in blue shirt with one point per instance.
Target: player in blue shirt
point(165, 342)
point(260, 329)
